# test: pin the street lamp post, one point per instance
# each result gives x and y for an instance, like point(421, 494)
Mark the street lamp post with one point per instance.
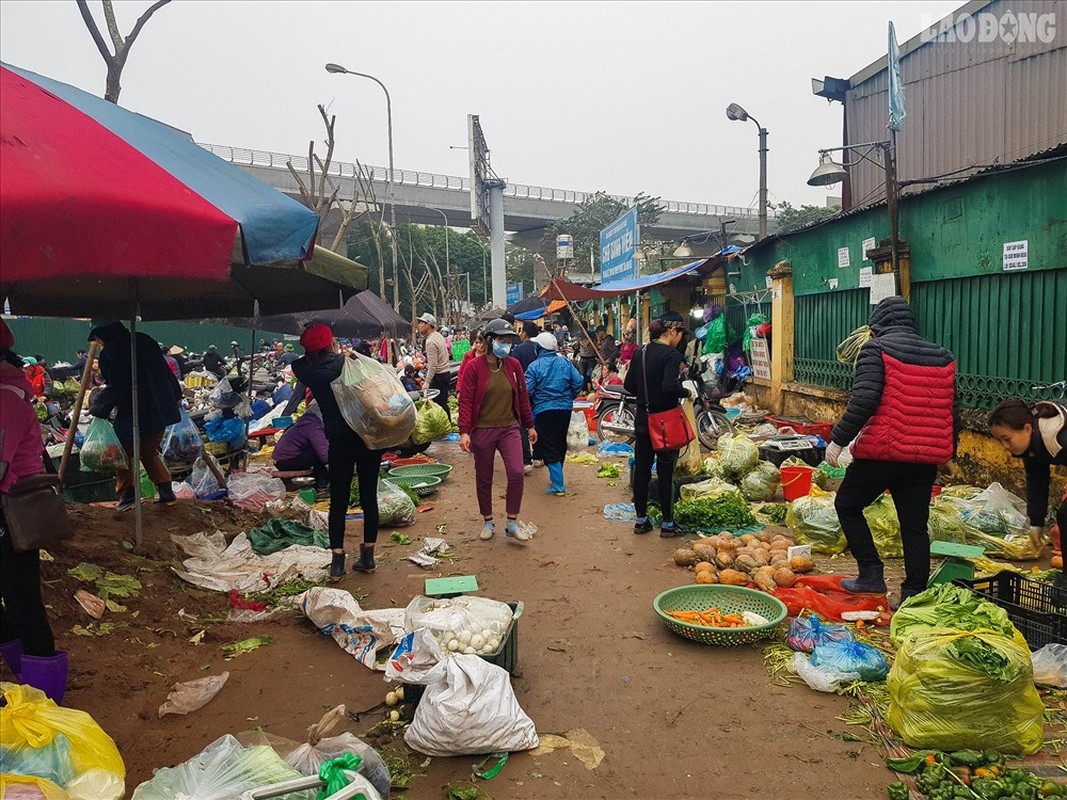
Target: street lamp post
point(338, 69)
point(735, 112)
point(444, 216)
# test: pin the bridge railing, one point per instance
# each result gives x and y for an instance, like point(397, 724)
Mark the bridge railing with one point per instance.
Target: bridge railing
point(347, 169)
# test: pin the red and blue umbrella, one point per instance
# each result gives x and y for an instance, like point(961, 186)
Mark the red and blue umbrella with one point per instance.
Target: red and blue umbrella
point(96, 199)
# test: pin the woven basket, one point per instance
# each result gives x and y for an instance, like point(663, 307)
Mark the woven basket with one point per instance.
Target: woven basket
point(441, 471)
point(729, 600)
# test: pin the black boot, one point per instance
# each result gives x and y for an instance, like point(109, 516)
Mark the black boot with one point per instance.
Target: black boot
point(165, 494)
point(337, 565)
point(870, 580)
point(366, 559)
point(126, 500)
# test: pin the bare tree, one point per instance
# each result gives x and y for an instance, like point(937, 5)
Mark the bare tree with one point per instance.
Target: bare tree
point(117, 60)
point(322, 194)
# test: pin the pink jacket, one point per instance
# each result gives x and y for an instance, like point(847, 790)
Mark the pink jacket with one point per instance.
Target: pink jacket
point(475, 380)
point(20, 453)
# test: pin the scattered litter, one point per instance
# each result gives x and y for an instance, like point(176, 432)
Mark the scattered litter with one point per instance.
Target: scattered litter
point(193, 695)
point(608, 471)
point(581, 458)
point(614, 450)
point(92, 604)
point(579, 741)
point(215, 566)
point(362, 633)
point(230, 651)
point(430, 554)
point(400, 538)
point(108, 584)
point(620, 512)
point(103, 629)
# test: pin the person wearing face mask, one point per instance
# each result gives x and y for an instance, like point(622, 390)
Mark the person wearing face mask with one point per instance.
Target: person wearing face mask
point(1038, 435)
point(655, 377)
point(493, 403)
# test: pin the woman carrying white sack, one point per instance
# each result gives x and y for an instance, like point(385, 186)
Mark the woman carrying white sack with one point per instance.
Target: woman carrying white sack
point(552, 383)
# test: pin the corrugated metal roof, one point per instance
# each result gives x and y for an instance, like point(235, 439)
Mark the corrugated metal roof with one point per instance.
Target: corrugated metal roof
point(968, 103)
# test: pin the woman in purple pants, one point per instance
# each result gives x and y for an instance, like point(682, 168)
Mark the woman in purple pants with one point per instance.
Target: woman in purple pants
point(492, 404)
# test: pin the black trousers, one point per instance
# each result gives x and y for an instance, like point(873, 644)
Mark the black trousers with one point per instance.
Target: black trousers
point(442, 381)
point(349, 456)
point(527, 452)
point(643, 457)
point(551, 427)
point(23, 614)
point(910, 486)
point(308, 459)
point(586, 365)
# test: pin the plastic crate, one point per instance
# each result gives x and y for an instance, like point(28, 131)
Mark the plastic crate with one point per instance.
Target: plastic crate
point(803, 426)
point(1037, 609)
point(811, 455)
point(506, 657)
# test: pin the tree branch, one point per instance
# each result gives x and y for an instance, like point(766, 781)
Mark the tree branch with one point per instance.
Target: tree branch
point(140, 24)
point(94, 31)
point(112, 27)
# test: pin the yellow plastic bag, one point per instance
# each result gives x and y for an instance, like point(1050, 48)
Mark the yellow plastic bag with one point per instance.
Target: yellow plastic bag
point(16, 782)
point(939, 702)
point(813, 520)
point(31, 723)
point(885, 527)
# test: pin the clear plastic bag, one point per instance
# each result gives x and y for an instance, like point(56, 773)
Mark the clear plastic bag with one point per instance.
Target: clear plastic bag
point(577, 432)
point(222, 771)
point(761, 484)
point(995, 519)
point(193, 695)
point(38, 737)
point(431, 422)
point(253, 490)
point(807, 633)
point(813, 520)
point(223, 397)
point(1050, 665)
point(882, 519)
point(708, 489)
point(821, 679)
point(203, 480)
point(394, 506)
point(738, 455)
point(851, 656)
point(182, 444)
point(940, 702)
point(101, 451)
point(374, 402)
point(467, 624)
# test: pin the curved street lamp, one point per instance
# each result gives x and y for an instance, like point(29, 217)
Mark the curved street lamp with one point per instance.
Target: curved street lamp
point(738, 114)
point(338, 69)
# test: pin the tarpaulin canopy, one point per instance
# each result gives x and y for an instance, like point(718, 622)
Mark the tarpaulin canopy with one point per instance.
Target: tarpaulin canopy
point(97, 196)
point(362, 317)
point(559, 289)
point(548, 307)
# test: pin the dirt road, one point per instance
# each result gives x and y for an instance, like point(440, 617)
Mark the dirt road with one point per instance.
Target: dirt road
point(675, 719)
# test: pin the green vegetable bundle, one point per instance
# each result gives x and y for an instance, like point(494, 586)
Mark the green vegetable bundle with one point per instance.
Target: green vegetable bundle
point(813, 520)
point(948, 606)
point(431, 422)
point(761, 484)
point(725, 511)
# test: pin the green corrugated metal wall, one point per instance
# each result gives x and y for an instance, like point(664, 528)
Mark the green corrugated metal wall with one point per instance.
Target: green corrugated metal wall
point(58, 339)
point(821, 322)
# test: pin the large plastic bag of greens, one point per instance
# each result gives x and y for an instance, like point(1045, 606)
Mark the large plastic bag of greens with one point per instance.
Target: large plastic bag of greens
point(947, 606)
point(253, 490)
point(945, 523)
point(101, 450)
point(813, 520)
point(394, 506)
point(738, 455)
point(807, 633)
point(954, 690)
point(222, 771)
point(374, 403)
point(431, 422)
point(997, 520)
point(885, 527)
point(182, 444)
point(577, 432)
point(852, 656)
point(62, 745)
point(712, 487)
point(761, 484)
point(325, 741)
point(713, 467)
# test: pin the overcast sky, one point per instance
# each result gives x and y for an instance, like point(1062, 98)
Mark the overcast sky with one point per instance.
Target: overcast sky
point(623, 97)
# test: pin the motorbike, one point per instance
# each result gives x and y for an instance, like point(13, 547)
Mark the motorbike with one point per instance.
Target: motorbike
point(616, 413)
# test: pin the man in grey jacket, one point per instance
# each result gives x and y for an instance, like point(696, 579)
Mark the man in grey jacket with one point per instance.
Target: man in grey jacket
point(437, 374)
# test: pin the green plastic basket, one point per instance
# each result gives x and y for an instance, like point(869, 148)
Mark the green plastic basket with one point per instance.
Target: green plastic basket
point(729, 600)
point(421, 485)
point(441, 471)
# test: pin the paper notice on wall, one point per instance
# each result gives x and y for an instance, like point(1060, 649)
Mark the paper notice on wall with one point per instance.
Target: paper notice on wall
point(867, 246)
point(761, 359)
point(883, 285)
point(866, 273)
point(833, 283)
point(1016, 255)
point(843, 259)
point(770, 282)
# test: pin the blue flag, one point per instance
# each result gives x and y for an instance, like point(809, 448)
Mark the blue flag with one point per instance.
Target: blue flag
point(896, 85)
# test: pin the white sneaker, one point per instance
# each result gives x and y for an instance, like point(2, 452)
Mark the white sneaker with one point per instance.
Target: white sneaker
point(527, 469)
point(516, 532)
point(538, 463)
point(487, 531)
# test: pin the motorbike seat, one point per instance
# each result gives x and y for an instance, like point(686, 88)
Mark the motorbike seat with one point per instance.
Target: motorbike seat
point(616, 391)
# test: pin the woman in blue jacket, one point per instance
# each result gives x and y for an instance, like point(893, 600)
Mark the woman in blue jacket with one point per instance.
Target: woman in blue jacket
point(552, 383)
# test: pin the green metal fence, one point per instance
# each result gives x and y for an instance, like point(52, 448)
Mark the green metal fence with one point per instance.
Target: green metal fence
point(1008, 332)
point(821, 322)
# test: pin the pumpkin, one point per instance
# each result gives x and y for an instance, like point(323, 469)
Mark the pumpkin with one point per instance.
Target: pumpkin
point(1056, 562)
point(706, 577)
point(785, 577)
point(724, 558)
point(684, 557)
point(732, 577)
point(801, 564)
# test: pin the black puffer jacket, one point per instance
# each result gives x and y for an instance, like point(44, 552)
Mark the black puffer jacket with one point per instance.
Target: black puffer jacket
point(903, 405)
point(317, 374)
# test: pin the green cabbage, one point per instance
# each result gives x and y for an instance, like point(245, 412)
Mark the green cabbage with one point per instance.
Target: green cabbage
point(431, 423)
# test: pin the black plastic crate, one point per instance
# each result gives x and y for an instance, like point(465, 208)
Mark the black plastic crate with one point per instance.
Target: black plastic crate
point(1037, 609)
point(809, 455)
point(507, 657)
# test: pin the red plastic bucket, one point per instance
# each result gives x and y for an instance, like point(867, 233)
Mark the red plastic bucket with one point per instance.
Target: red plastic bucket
point(796, 482)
